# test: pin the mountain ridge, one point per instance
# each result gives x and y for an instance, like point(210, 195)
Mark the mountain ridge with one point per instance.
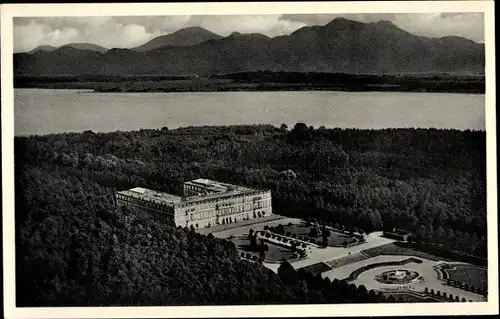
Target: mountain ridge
point(75, 45)
point(182, 37)
point(341, 45)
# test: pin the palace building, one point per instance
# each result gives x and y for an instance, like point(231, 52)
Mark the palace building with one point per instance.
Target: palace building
point(205, 203)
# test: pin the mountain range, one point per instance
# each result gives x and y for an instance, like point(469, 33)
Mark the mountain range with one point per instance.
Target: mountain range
point(340, 46)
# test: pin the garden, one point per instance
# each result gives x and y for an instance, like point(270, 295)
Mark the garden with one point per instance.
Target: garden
point(319, 235)
point(257, 248)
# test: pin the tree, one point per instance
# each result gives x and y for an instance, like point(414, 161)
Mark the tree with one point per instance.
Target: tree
point(324, 241)
point(440, 235)
point(422, 234)
point(430, 233)
point(362, 291)
point(313, 232)
point(262, 253)
point(253, 242)
point(287, 273)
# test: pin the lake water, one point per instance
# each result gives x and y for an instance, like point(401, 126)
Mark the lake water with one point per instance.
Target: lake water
point(41, 111)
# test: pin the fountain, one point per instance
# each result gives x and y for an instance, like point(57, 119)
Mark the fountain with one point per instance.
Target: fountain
point(397, 277)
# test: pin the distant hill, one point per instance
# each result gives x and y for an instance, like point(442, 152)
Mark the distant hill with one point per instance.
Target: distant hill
point(340, 46)
point(47, 48)
point(88, 46)
point(79, 46)
point(184, 37)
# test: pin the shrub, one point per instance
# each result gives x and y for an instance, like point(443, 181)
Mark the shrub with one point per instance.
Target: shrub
point(288, 233)
point(268, 235)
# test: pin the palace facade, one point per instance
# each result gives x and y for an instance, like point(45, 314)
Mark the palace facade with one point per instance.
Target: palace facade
point(205, 203)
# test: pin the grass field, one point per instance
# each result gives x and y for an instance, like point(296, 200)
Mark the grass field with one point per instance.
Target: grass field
point(394, 249)
point(349, 259)
point(471, 275)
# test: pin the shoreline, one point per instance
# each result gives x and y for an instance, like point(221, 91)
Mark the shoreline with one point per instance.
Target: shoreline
point(306, 88)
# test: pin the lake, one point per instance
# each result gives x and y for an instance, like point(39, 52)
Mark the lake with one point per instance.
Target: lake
point(43, 111)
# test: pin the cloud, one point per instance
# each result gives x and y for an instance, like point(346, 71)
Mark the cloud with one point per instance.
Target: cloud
point(155, 24)
point(270, 25)
point(131, 31)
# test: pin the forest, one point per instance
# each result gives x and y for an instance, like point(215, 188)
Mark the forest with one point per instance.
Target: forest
point(261, 81)
point(75, 247)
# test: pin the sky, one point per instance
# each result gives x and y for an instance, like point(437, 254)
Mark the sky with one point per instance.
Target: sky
point(131, 31)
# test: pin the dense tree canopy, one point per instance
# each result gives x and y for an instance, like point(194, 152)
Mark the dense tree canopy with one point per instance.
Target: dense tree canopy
point(75, 247)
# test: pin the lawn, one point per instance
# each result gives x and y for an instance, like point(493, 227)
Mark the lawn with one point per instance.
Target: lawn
point(349, 259)
point(394, 249)
point(299, 230)
point(316, 269)
point(338, 239)
point(471, 275)
point(277, 253)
